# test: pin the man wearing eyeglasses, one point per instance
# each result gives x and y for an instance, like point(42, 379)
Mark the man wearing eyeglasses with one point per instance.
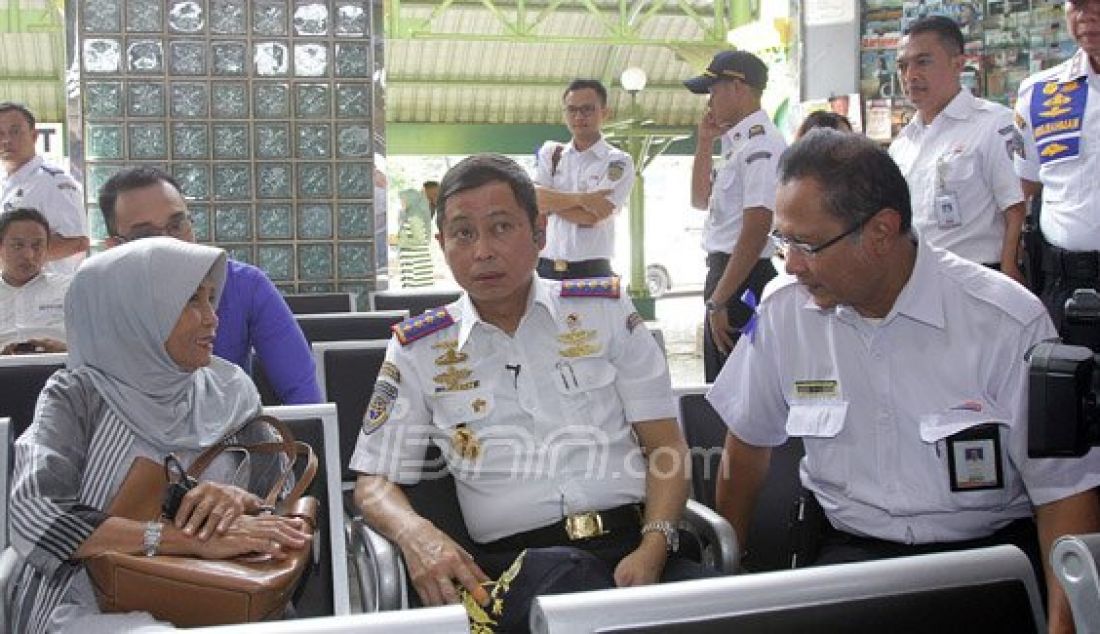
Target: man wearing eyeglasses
point(739, 195)
point(956, 153)
point(142, 202)
point(581, 185)
point(902, 368)
point(1058, 114)
point(28, 180)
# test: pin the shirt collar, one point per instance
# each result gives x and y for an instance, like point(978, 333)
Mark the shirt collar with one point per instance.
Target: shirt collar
point(741, 129)
point(920, 299)
point(1077, 67)
point(26, 169)
point(468, 317)
point(958, 108)
point(599, 149)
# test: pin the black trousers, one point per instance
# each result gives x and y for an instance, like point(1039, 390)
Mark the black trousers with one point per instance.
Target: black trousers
point(762, 272)
point(1064, 272)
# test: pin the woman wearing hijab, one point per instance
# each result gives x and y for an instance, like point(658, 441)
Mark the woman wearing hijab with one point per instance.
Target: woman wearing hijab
point(141, 381)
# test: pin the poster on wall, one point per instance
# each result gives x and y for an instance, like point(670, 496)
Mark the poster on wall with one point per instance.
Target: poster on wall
point(968, 14)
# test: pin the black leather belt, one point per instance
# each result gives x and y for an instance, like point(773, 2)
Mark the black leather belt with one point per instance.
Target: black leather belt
point(579, 527)
point(566, 270)
point(1071, 265)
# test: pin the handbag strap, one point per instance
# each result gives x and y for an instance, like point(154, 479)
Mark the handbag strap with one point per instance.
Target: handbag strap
point(287, 446)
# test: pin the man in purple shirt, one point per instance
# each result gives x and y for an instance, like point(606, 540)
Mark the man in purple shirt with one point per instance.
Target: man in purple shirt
point(141, 202)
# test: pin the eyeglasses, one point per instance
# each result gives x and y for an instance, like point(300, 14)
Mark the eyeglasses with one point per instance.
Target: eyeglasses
point(177, 225)
point(783, 244)
point(587, 110)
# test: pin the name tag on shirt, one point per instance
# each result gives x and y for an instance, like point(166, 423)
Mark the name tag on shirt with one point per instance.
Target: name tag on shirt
point(947, 211)
point(974, 459)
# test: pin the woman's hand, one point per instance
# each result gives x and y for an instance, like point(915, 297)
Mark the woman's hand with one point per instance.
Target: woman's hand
point(212, 508)
point(247, 534)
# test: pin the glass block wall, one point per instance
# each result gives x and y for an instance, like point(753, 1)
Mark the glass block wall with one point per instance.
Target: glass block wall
point(268, 112)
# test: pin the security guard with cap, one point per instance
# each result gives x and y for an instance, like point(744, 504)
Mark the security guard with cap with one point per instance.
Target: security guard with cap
point(581, 186)
point(1058, 115)
point(550, 402)
point(739, 196)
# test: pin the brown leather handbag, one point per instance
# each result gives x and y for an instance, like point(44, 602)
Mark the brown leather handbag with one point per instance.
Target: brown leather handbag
point(194, 592)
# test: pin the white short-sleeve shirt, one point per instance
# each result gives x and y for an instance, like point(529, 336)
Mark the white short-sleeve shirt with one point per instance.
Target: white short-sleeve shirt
point(601, 166)
point(55, 194)
point(36, 309)
point(551, 409)
point(966, 152)
point(875, 403)
point(747, 177)
point(1068, 170)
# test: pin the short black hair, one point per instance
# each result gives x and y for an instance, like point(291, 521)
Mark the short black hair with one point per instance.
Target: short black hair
point(126, 180)
point(20, 214)
point(857, 177)
point(946, 29)
point(586, 84)
point(428, 184)
point(823, 119)
point(481, 169)
point(8, 106)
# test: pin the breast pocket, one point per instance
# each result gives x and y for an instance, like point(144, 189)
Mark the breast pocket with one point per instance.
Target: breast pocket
point(818, 425)
point(586, 387)
point(959, 170)
point(965, 452)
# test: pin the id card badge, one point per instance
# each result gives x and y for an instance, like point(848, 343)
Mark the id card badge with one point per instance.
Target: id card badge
point(974, 459)
point(947, 211)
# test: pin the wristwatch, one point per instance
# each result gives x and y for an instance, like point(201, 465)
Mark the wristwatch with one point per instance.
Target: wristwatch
point(151, 541)
point(668, 529)
point(712, 305)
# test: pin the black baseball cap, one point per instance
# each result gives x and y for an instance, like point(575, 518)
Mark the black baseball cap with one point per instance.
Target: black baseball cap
point(741, 65)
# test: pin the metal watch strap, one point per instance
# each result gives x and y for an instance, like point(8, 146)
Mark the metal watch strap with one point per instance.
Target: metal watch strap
point(666, 528)
point(151, 540)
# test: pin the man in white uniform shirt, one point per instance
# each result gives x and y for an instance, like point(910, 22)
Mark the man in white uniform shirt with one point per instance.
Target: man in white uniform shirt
point(903, 369)
point(27, 180)
point(739, 196)
point(956, 153)
point(525, 385)
point(1058, 113)
point(581, 187)
point(32, 302)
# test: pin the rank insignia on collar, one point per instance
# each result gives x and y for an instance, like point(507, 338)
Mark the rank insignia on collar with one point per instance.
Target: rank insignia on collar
point(591, 287)
point(756, 130)
point(422, 325)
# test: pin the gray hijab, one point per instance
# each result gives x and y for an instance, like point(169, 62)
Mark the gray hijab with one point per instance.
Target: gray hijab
point(121, 307)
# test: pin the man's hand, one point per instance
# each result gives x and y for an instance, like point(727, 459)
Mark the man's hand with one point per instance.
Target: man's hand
point(644, 565)
point(598, 203)
point(720, 330)
point(35, 346)
point(437, 565)
point(710, 129)
point(1012, 270)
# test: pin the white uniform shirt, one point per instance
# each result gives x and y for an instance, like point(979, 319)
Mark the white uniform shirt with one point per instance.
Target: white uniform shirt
point(55, 194)
point(601, 166)
point(555, 434)
point(36, 309)
point(874, 403)
point(748, 177)
point(1071, 204)
point(967, 150)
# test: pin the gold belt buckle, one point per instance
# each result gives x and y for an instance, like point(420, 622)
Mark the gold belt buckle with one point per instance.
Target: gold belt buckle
point(561, 266)
point(584, 526)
